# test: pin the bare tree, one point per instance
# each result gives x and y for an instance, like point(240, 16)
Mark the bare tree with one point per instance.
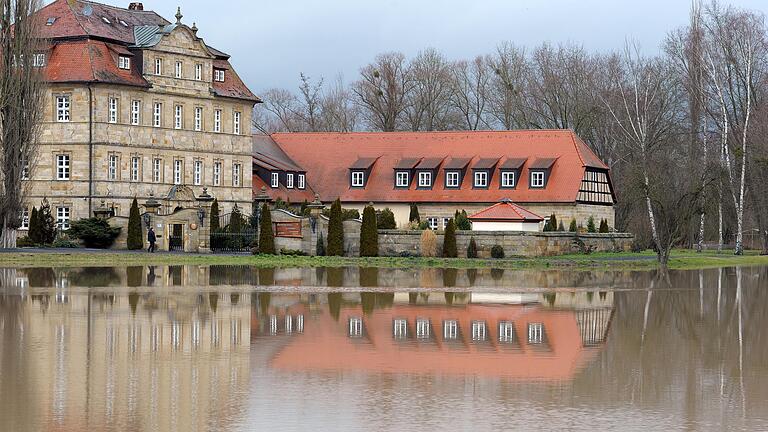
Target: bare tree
point(383, 89)
point(470, 92)
point(339, 112)
point(21, 94)
point(428, 106)
point(507, 90)
point(278, 112)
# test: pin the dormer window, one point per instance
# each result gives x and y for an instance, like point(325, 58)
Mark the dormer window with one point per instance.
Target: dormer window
point(358, 178)
point(402, 179)
point(38, 60)
point(508, 179)
point(218, 75)
point(539, 172)
point(124, 62)
point(275, 180)
point(302, 181)
point(537, 179)
point(452, 179)
point(289, 181)
point(481, 179)
point(425, 179)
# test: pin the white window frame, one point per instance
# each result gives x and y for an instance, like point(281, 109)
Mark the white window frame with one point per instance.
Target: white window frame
point(537, 179)
point(445, 222)
point(124, 62)
point(433, 223)
point(179, 70)
point(198, 118)
point(217, 121)
point(505, 179)
point(399, 328)
point(452, 179)
point(217, 173)
point(24, 219)
point(479, 331)
point(535, 333)
point(289, 181)
point(275, 180)
point(301, 182)
point(422, 328)
point(402, 178)
point(358, 178)
point(218, 75)
point(113, 104)
point(112, 167)
point(62, 167)
point(355, 327)
point(157, 114)
point(481, 179)
point(236, 123)
point(178, 116)
point(236, 174)
point(158, 66)
point(425, 179)
point(157, 170)
point(62, 108)
point(24, 169)
point(38, 60)
point(135, 112)
point(62, 218)
point(135, 168)
point(450, 329)
point(198, 71)
point(197, 178)
point(506, 331)
point(178, 171)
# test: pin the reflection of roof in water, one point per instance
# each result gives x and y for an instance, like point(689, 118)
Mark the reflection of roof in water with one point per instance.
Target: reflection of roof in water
point(564, 343)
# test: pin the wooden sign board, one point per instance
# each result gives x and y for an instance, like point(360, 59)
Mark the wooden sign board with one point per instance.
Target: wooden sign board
point(287, 229)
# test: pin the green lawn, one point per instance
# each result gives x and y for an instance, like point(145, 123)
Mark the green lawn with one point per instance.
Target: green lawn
point(681, 259)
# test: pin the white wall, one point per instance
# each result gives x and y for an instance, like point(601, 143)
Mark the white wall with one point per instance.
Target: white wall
point(505, 226)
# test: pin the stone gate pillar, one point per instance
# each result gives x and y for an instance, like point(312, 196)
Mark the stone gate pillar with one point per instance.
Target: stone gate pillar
point(204, 202)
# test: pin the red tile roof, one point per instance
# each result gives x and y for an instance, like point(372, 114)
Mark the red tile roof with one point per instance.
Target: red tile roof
point(328, 156)
point(506, 211)
point(293, 195)
point(232, 86)
point(89, 61)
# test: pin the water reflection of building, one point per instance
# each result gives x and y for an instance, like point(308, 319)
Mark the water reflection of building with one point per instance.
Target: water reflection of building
point(522, 336)
point(145, 361)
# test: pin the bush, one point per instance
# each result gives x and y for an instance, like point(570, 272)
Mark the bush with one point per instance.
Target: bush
point(320, 245)
point(46, 224)
point(94, 232)
point(604, 226)
point(428, 243)
point(25, 241)
point(413, 216)
point(346, 214)
point(335, 230)
point(254, 245)
point(135, 239)
point(462, 221)
point(65, 244)
point(591, 225)
point(34, 227)
point(561, 227)
point(449, 241)
point(266, 236)
point(497, 252)
point(369, 234)
point(573, 227)
point(553, 222)
point(215, 216)
point(386, 219)
point(292, 252)
point(472, 248)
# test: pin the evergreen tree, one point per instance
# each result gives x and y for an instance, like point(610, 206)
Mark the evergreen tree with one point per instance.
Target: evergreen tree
point(335, 231)
point(604, 226)
point(472, 248)
point(266, 236)
point(34, 227)
point(449, 240)
point(235, 221)
point(369, 234)
point(386, 219)
point(591, 225)
point(553, 222)
point(135, 238)
point(462, 221)
point(320, 246)
point(47, 223)
point(561, 227)
point(414, 215)
point(215, 216)
point(573, 227)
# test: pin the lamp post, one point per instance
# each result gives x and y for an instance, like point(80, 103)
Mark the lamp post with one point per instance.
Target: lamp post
point(201, 215)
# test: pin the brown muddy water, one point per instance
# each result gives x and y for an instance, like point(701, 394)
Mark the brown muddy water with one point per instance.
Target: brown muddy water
point(220, 348)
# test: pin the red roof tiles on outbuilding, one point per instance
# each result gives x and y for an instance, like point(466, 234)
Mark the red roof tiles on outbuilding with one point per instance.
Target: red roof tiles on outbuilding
point(506, 211)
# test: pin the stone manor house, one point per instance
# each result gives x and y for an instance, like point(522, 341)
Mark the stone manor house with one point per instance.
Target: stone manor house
point(136, 106)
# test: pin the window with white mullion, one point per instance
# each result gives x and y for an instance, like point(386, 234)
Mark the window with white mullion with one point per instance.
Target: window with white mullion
point(112, 168)
point(302, 181)
point(289, 181)
point(481, 179)
point(62, 167)
point(274, 180)
point(113, 110)
point(358, 178)
point(158, 66)
point(452, 179)
point(401, 179)
point(157, 170)
point(135, 112)
point(425, 179)
point(178, 119)
point(135, 168)
point(236, 123)
point(198, 118)
point(62, 218)
point(537, 179)
point(236, 180)
point(508, 179)
point(62, 108)
point(157, 120)
point(197, 177)
point(217, 173)
point(24, 218)
point(198, 72)
point(217, 120)
point(178, 171)
point(179, 69)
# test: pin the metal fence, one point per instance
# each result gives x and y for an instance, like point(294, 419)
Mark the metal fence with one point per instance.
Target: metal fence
point(233, 237)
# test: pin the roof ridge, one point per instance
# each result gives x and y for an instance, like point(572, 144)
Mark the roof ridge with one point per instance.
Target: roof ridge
point(448, 132)
point(77, 20)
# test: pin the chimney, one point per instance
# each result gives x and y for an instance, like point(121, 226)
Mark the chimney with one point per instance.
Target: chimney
point(137, 6)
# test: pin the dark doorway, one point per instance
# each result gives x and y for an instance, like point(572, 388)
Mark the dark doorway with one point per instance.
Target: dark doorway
point(176, 239)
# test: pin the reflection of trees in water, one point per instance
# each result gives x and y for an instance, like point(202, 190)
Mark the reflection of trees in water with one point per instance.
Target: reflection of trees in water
point(213, 299)
point(449, 277)
point(335, 277)
point(334, 305)
point(134, 275)
point(412, 297)
point(369, 276)
point(41, 277)
point(232, 275)
point(550, 298)
point(133, 301)
point(471, 276)
point(265, 299)
point(94, 277)
point(234, 298)
point(497, 274)
point(371, 301)
point(267, 276)
point(448, 298)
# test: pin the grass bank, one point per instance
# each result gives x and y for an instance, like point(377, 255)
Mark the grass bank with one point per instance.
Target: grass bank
point(680, 259)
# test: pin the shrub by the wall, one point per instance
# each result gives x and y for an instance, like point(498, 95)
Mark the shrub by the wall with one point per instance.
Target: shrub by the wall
point(335, 230)
point(449, 241)
point(369, 234)
point(497, 252)
point(472, 248)
point(385, 219)
point(413, 216)
point(591, 225)
point(135, 240)
point(573, 227)
point(428, 243)
point(266, 236)
point(94, 232)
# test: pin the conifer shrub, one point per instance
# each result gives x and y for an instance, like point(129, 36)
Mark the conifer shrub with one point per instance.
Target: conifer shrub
point(553, 222)
point(413, 216)
point(266, 236)
point(561, 227)
point(135, 240)
point(428, 243)
point(320, 246)
point(591, 225)
point(386, 219)
point(573, 227)
point(369, 234)
point(215, 216)
point(46, 223)
point(462, 221)
point(604, 226)
point(472, 248)
point(449, 241)
point(94, 232)
point(335, 231)
point(497, 252)
point(34, 227)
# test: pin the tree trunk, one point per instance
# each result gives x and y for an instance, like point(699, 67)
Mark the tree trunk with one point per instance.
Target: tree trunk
point(720, 223)
point(700, 242)
point(7, 238)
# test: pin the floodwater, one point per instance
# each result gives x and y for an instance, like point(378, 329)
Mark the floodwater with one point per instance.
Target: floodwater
point(215, 348)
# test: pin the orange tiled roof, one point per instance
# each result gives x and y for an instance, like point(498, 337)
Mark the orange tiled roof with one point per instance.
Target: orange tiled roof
point(327, 158)
point(506, 211)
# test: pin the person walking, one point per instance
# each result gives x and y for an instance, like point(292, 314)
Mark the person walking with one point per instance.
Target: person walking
point(151, 238)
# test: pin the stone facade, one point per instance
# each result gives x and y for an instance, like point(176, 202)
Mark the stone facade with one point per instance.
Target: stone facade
point(118, 148)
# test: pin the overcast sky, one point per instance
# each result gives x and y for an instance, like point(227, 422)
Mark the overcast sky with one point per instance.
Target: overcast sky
point(272, 41)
